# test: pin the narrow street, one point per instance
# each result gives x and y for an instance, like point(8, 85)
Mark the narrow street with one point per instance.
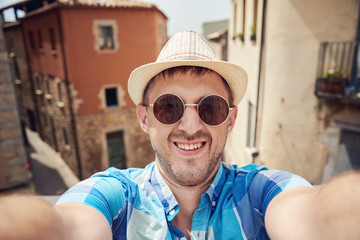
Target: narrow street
point(51, 176)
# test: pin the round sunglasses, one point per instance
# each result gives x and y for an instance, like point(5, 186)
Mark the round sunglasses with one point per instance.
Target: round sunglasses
point(213, 110)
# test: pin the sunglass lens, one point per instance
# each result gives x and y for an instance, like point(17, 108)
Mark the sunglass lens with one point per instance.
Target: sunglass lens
point(168, 109)
point(213, 110)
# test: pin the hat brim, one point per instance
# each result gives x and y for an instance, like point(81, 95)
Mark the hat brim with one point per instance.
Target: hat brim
point(234, 75)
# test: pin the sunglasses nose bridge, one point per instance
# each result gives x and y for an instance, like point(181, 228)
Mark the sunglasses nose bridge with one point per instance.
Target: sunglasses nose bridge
point(190, 121)
point(190, 104)
point(193, 106)
point(196, 108)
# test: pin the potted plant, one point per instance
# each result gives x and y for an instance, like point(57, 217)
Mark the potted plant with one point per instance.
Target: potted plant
point(253, 33)
point(333, 82)
point(240, 36)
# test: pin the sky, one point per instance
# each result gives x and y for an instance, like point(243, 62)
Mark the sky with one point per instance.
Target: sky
point(183, 14)
point(191, 14)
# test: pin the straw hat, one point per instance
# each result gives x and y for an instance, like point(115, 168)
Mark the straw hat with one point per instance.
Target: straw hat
point(187, 48)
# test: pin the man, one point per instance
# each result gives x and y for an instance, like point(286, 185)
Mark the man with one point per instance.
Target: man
point(186, 102)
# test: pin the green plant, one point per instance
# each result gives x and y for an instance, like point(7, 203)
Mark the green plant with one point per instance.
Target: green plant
point(333, 82)
point(332, 74)
point(253, 33)
point(241, 36)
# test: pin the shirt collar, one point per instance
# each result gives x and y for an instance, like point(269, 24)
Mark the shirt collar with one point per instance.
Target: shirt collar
point(167, 198)
point(164, 193)
point(216, 186)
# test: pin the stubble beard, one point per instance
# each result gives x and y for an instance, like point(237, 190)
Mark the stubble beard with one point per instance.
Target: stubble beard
point(189, 174)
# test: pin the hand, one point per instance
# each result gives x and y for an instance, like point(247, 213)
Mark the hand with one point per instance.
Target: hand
point(29, 217)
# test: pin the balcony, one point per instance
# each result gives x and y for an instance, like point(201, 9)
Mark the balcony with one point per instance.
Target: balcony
point(338, 77)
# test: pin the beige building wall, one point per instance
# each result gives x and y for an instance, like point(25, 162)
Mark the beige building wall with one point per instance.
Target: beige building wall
point(290, 123)
point(247, 54)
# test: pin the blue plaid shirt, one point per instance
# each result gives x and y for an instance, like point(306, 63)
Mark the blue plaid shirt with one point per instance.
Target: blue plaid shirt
point(139, 205)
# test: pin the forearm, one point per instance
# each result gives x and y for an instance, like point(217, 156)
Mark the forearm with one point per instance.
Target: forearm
point(84, 222)
point(29, 217)
point(332, 212)
point(337, 208)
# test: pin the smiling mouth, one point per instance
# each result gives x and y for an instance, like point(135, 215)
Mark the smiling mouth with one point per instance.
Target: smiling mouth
point(189, 147)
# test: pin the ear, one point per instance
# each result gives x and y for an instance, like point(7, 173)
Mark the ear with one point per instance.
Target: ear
point(232, 118)
point(142, 116)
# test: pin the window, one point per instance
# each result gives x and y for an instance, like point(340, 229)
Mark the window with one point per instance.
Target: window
point(111, 97)
point(59, 88)
point(105, 32)
point(31, 40)
point(116, 149)
point(53, 133)
point(253, 27)
point(48, 95)
point(255, 13)
point(235, 18)
point(106, 37)
point(31, 118)
point(52, 40)
point(40, 40)
point(38, 83)
point(59, 91)
point(250, 126)
point(349, 150)
point(243, 16)
point(48, 86)
point(66, 139)
point(16, 68)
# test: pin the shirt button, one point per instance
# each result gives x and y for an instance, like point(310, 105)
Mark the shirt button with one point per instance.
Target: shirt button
point(172, 212)
point(213, 203)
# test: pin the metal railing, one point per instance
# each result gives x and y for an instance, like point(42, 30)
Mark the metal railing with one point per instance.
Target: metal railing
point(338, 71)
point(338, 57)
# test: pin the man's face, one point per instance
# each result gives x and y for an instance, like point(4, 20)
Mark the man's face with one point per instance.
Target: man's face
point(189, 151)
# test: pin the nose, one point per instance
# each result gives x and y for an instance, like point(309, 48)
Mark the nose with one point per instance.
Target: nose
point(190, 121)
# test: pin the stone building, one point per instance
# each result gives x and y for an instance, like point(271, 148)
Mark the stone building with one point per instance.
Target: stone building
point(80, 54)
point(14, 169)
point(19, 65)
point(289, 49)
point(217, 34)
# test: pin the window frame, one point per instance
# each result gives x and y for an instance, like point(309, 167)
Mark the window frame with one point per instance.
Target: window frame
point(40, 41)
point(97, 25)
point(52, 41)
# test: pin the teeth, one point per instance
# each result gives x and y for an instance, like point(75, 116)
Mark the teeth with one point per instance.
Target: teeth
point(189, 147)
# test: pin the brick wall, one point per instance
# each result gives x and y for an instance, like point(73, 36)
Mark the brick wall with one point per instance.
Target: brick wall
point(19, 66)
point(56, 127)
point(92, 130)
point(13, 159)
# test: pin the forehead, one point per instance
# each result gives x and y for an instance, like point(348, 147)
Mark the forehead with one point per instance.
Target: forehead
point(188, 85)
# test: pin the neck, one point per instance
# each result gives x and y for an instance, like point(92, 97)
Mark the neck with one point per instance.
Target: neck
point(188, 195)
point(188, 198)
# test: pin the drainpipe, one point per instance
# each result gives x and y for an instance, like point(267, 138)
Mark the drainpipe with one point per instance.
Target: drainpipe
point(259, 83)
point(71, 110)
